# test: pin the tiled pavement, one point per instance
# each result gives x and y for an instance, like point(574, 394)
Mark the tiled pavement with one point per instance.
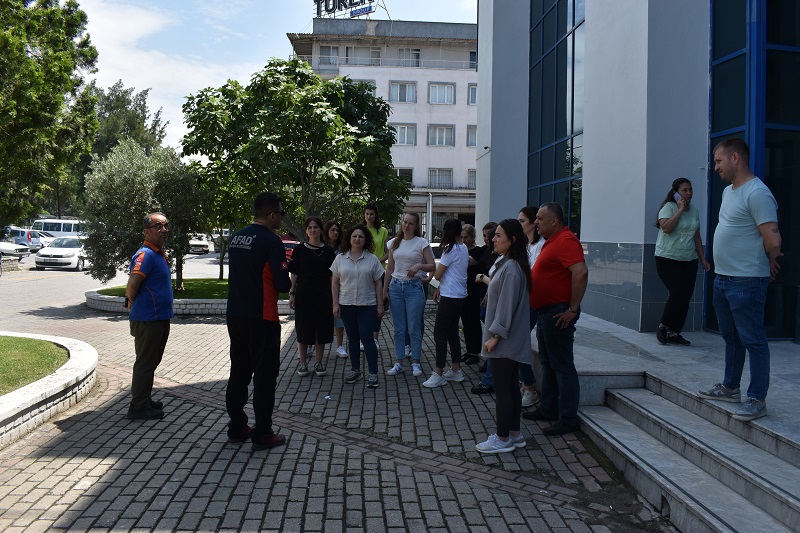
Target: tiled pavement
point(397, 458)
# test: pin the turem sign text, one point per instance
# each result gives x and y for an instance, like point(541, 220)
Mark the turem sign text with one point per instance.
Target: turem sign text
point(333, 6)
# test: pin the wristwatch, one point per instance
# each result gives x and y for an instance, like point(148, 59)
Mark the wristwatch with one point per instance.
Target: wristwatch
point(495, 336)
point(574, 310)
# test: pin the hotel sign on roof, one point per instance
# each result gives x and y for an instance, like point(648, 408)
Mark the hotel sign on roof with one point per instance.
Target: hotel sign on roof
point(356, 7)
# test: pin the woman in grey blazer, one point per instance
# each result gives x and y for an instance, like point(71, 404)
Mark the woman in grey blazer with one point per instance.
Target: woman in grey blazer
point(506, 334)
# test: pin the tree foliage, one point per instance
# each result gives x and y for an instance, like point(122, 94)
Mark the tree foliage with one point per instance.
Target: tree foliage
point(46, 113)
point(124, 187)
point(323, 146)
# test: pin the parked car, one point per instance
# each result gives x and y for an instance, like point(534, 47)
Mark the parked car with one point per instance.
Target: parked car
point(64, 252)
point(27, 237)
point(12, 249)
point(198, 244)
point(46, 238)
point(289, 246)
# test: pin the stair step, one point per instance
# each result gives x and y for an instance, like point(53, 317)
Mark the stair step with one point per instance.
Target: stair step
point(774, 435)
point(764, 479)
point(694, 500)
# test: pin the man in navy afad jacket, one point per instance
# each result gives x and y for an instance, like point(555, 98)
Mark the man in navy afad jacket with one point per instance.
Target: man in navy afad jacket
point(258, 274)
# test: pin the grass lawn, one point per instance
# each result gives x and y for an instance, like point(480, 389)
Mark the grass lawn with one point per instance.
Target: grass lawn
point(196, 289)
point(23, 361)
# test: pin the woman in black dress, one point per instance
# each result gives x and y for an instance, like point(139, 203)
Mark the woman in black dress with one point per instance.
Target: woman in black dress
point(310, 296)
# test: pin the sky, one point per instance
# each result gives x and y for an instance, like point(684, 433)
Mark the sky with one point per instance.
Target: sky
point(178, 47)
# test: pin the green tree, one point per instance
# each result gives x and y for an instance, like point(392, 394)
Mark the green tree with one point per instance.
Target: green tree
point(46, 112)
point(124, 187)
point(320, 145)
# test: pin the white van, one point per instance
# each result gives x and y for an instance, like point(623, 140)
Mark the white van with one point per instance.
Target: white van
point(60, 227)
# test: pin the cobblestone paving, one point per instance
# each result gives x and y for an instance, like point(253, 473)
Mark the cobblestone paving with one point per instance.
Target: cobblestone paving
point(396, 458)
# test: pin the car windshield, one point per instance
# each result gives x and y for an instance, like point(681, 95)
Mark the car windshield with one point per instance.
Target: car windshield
point(66, 242)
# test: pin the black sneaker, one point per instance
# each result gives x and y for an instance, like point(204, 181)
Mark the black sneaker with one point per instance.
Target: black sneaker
point(319, 369)
point(148, 413)
point(661, 334)
point(302, 369)
point(676, 338)
point(536, 414)
point(560, 428)
point(480, 388)
point(155, 404)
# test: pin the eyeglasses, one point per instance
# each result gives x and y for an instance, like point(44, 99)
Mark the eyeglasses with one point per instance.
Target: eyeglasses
point(281, 213)
point(159, 226)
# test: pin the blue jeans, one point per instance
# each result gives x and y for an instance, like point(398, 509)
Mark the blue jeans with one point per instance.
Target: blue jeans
point(739, 303)
point(359, 322)
point(560, 386)
point(407, 302)
point(487, 380)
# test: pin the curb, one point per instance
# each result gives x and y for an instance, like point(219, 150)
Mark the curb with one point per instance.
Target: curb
point(26, 408)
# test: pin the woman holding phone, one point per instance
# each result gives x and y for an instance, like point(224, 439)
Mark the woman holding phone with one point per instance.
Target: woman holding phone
point(678, 250)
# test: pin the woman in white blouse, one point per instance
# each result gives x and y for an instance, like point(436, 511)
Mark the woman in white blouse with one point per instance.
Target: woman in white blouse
point(410, 259)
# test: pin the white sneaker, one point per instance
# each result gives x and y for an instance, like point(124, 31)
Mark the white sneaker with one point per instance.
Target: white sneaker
point(310, 349)
point(518, 441)
point(341, 352)
point(396, 369)
point(529, 398)
point(361, 346)
point(416, 369)
point(408, 352)
point(494, 445)
point(454, 375)
point(434, 381)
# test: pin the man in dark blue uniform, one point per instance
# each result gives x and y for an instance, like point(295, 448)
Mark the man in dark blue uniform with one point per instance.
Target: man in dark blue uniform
point(258, 273)
point(149, 298)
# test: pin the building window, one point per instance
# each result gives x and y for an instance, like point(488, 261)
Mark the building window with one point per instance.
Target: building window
point(370, 82)
point(472, 178)
point(407, 173)
point(363, 55)
point(442, 93)
point(328, 55)
point(409, 57)
point(472, 135)
point(472, 94)
point(406, 134)
point(473, 59)
point(402, 92)
point(440, 178)
point(440, 135)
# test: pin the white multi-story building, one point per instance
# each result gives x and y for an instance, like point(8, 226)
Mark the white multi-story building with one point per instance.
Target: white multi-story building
point(427, 71)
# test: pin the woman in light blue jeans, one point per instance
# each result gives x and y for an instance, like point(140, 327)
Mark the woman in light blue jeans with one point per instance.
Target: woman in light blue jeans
point(410, 258)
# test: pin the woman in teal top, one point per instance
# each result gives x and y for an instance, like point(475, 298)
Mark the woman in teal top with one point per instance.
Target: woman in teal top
point(678, 248)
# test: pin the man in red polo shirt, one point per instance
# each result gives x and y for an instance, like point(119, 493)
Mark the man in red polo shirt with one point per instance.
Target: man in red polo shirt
point(559, 279)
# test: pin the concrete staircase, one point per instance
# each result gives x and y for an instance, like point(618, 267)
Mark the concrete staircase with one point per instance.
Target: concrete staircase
point(701, 468)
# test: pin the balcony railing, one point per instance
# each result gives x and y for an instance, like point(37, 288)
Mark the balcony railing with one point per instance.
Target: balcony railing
point(335, 62)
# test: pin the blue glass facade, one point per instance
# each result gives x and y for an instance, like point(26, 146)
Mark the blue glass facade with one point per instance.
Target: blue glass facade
point(557, 45)
point(755, 75)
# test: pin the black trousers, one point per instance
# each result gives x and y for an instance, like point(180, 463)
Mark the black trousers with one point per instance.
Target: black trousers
point(678, 277)
point(471, 322)
point(445, 330)
point(149, 340)
point(255, 355)
point(507, 396)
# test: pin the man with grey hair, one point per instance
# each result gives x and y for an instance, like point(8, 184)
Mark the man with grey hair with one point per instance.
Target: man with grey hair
point(559, 279)
point(148, 295)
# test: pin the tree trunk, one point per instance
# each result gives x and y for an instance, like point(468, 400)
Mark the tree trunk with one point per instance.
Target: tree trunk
point(179, 273)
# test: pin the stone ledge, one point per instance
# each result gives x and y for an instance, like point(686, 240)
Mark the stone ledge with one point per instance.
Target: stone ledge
point(113, 304)
point(30, 406)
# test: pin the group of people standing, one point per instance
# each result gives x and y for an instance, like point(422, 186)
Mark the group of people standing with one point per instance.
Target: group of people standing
point(530, 273)
point(499, 286)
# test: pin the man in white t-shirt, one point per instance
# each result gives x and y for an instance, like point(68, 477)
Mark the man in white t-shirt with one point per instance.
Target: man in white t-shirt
point(747, 245)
